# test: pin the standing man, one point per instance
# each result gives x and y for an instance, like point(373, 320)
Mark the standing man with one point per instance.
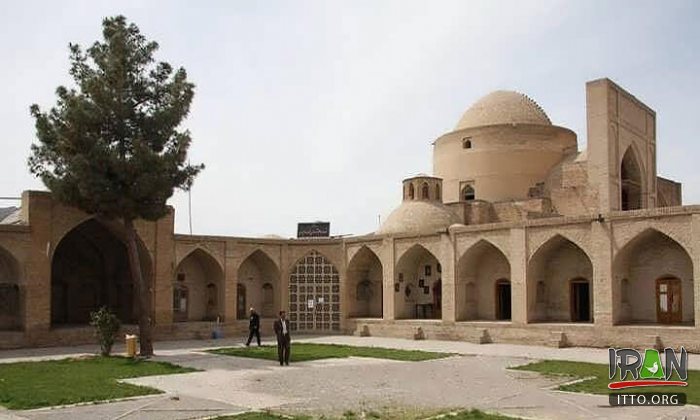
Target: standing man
point(284, 340)
point(253, 327)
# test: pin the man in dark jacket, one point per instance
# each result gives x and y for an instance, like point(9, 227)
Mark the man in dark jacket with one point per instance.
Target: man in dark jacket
point(284, 340)
point(253, 327)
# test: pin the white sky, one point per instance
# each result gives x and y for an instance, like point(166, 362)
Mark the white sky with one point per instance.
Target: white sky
point(316, 110)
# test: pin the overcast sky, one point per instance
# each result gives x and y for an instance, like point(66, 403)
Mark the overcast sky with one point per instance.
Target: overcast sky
point(316, 110)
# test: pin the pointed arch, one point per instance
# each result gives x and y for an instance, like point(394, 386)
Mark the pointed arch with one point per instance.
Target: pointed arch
point(639, 265)
point(559, 283)
point(205, 253)
point(198, 287)
point(260, 276)
point(11, 308)
point(90, 269)
point(632, 177)
point(314, 294)
point(468, 193)
point(418, 285)
point(263, 254)
point(411, 191)
point(479, 271)
point(365, 276)
point(425, 191)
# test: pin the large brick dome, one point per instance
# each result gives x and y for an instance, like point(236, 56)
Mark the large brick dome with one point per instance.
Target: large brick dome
point(503, 107)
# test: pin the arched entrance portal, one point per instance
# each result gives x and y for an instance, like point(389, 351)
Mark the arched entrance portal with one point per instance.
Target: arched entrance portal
point(365, 279)
point(314, 294)
point(90, 269)
point(197, 289)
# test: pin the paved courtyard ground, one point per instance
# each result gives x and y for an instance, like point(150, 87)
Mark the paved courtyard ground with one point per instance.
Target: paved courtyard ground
point(477, 377)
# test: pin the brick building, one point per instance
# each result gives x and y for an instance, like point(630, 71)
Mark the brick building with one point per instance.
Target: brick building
point(518, 236)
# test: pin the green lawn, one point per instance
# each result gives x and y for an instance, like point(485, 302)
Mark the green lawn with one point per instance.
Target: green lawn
point(40, 384)
point(302, 352)
point(462, 415)
point(599, 384)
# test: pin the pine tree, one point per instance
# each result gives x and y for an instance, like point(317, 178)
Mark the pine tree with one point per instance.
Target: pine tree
point(111, 145)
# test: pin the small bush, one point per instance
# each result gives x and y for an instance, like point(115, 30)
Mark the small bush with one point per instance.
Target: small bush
point(106, 327)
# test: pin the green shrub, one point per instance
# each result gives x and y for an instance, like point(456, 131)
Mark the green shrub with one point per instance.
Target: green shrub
point(106, 327)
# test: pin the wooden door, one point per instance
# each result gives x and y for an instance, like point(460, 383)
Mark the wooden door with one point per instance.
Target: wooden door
point(668, 301)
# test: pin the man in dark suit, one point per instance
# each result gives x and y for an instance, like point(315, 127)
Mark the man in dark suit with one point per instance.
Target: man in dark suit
point(284, 340)
point(253, 327)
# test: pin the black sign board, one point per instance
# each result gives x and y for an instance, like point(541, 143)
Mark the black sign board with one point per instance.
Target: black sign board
point(314, 230)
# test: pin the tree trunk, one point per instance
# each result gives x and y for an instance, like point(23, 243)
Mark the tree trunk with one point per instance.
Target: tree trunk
point(143, 291)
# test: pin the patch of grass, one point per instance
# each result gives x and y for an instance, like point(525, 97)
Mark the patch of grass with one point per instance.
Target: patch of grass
point(599, 383)
point(475, 415)
point(302, 352)
point(26, 385)
point(349, 415)
point(261, 415)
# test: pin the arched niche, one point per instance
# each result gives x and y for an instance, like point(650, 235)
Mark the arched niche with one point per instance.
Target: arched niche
point(559, 286)
point(198, 288)
point(653, 281)
point(631, 182)
point(418, 285)
point(479, 294)
point(260, 279)
point(365, 278)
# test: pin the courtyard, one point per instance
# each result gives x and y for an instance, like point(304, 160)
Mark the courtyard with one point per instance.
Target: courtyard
point(464, 376)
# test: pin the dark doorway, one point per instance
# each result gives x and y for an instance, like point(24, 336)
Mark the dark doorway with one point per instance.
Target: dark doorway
point(631, 182)
point(503, 300)
point(580, 301)
point(241, 312)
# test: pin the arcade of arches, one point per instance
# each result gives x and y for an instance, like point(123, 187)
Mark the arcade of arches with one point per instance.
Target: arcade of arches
point(652, 284)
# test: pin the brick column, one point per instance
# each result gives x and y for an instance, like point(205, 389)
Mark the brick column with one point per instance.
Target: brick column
point(518, 276)
point(163, 267)
point(602, 282)
point(447, 259)
point(388, 256)
point(37, 281)
point(231, 263)
point(695, 256)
